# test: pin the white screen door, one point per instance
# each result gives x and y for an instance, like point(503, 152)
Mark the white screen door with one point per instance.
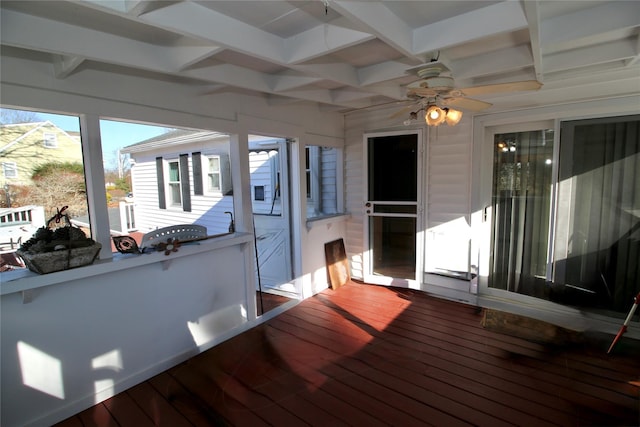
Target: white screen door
point(392, 208)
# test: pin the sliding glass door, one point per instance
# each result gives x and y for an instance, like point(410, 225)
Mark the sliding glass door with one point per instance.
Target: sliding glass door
point(522, 185)
point(566, 219)
point(597, 246)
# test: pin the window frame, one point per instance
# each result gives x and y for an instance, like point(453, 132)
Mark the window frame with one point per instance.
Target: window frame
point(11, 166)
point(170, 184)
point(207, 159)
point(47, 138)
point(308, 173)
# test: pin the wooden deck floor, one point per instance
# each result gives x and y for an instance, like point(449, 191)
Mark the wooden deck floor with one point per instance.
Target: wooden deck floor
point(371, 356)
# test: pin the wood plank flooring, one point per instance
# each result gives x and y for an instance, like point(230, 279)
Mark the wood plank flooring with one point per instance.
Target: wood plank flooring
point(367, 355)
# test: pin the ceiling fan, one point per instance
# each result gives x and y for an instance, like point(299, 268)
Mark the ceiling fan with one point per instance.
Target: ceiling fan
point(435, 93)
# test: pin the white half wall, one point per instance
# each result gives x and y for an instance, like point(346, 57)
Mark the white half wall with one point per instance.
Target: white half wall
point(81, 341)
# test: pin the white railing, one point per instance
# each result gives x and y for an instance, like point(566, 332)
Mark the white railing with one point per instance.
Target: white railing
point(22, 215)
point(18, 224)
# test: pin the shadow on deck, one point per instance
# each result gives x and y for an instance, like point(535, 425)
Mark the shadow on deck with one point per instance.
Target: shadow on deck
point(367, 355)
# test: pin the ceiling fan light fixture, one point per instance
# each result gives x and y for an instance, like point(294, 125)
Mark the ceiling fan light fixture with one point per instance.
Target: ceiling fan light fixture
point(453, 116)
point(435, 115)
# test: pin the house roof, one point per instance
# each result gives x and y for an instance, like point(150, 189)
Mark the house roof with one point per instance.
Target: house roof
point(174, 137)
point(19, 131)
point(342, 55)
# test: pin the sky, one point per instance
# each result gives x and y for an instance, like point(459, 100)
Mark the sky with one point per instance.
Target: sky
point(114, 134)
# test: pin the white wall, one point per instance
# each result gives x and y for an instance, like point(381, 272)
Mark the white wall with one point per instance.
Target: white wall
point(142, 315)
point(315, 236)
point(80, 341)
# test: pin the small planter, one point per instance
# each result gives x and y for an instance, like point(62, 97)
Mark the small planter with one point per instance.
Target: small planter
point(63, 259)
point(58, 249)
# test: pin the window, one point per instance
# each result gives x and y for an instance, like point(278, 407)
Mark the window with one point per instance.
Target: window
point(321, 170)
point(258, 192)
point(10, 170)
point(214, 174)
point(307, 168)
point(50, 140)
point(175, 198)
point(42, 181)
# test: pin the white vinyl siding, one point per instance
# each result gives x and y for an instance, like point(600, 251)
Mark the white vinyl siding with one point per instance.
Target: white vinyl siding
point(264, 169)
point(207, 210)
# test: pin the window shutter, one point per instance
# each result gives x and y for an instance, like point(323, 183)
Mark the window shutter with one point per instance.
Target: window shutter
point(196, 161)
point(162, 203)
point(184, 182)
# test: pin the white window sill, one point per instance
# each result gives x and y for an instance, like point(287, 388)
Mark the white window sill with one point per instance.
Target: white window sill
point(323, 220)
point(25, 280)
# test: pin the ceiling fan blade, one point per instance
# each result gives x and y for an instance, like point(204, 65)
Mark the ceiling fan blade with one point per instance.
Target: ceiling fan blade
point(502, 87)
point(467, 103)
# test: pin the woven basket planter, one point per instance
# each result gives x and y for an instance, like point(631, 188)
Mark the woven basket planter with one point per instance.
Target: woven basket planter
point(63, 259)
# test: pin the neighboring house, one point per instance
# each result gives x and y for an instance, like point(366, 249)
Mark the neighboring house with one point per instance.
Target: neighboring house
point(25, 146)
point(184, 177)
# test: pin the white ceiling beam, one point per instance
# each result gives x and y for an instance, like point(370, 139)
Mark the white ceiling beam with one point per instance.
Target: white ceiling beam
point(291, 79)
point(117, 5)
point(230, 75)
point(65, 65)
point(252, 80)
point(608, 52)
point(498, 18)
point(381, 72)
point(338, 72)
point(212, 89)
point(393, 91)
point(633, 61)
point(37, 33)
point(499, 61)
point(377, 19)
point(126, 8)
point(347, 95)
point(185, 53)
point(321, 40)
point(197, 21)
point(27, 31)
point(315, 94)
point(138, 7)
point(574, 30)
point(277, 100)
point(532, 13)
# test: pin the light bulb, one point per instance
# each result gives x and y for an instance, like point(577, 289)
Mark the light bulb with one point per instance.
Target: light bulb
point(453, 116)
point(434, 116)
